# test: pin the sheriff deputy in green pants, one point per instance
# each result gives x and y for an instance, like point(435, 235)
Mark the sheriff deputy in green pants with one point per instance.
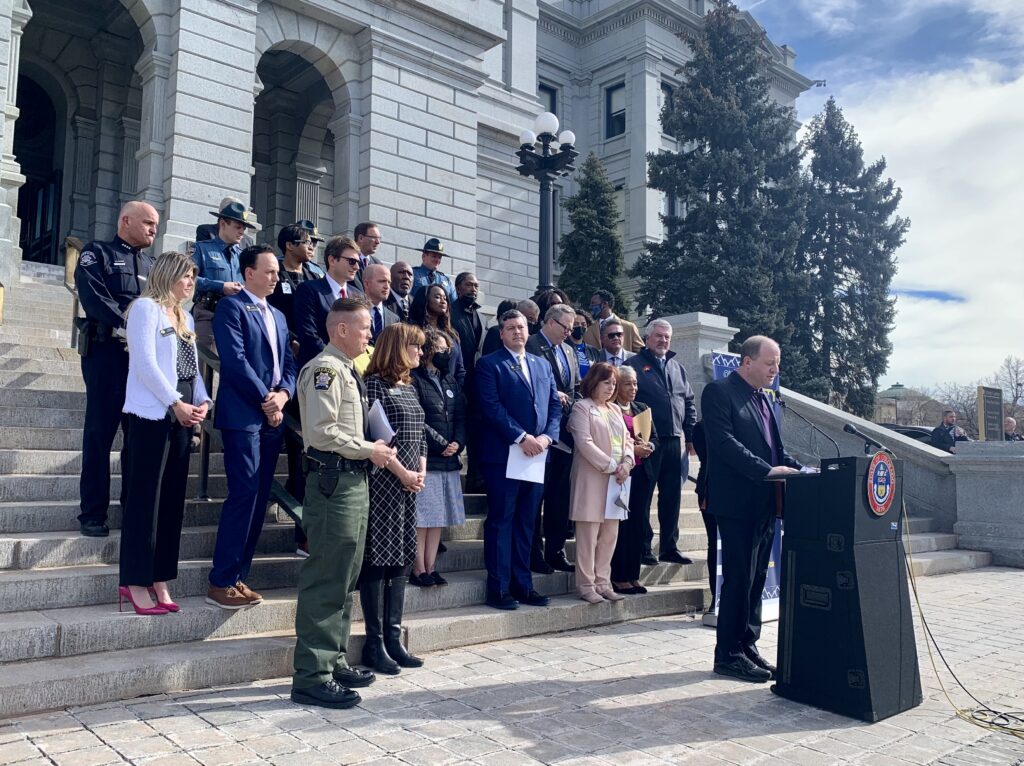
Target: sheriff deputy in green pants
point(338, 455)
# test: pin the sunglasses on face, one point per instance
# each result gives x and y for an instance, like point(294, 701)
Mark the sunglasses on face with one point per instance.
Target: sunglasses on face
point(614, 335)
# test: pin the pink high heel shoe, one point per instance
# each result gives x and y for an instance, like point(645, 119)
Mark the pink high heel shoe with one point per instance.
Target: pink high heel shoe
point(124, 593)
point(170, 606)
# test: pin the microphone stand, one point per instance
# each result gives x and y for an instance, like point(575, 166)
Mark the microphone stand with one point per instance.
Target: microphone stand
point(787, 408)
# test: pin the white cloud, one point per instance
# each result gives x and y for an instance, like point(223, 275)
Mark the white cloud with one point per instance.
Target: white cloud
point(954, 142)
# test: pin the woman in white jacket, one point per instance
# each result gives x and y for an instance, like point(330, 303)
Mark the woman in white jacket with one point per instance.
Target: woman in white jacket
point(165, 398)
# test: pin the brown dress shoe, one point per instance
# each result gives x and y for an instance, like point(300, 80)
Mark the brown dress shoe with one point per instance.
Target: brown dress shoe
point(226, 598)
point(249, 593)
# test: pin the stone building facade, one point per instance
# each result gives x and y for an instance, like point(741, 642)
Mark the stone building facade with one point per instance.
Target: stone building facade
point(403, 112)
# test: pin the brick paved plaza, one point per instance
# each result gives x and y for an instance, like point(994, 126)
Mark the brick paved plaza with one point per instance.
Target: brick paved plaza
point(633, 693)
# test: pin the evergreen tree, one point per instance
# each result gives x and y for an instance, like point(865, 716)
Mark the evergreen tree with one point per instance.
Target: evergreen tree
point(591, 254)
point(848, 248)
point(729, 247)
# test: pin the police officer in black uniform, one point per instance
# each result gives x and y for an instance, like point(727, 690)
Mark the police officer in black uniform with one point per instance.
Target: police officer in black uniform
point(108, 277)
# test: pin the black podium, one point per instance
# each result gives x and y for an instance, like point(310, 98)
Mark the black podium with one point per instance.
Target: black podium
point(846, 635)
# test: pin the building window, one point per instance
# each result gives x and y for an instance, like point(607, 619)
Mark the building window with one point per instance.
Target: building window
point(615, 111)
point(548, 97)
point(666, 93)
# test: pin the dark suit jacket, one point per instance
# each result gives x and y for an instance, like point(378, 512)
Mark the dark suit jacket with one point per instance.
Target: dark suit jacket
point(312, 304)
point(390, 317)
point(466, 322)
point(535, 344)
point(392, 303)
point(246, 362)
point(492, 341)
point(509, 405)
point(668, 394)
point(738, 454)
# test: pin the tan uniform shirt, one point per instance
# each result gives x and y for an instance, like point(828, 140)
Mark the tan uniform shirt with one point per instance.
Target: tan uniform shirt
point(631, 340)
point(330, 406)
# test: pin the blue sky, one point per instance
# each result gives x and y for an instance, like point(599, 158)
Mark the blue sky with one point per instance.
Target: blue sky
point(937, 88)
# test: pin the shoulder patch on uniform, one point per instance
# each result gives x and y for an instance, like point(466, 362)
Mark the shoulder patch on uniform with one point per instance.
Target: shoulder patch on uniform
point(323, 377)
point(88, 258)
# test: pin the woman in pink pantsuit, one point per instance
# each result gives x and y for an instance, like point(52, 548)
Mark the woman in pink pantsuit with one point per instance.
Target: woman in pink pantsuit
point(603, 454)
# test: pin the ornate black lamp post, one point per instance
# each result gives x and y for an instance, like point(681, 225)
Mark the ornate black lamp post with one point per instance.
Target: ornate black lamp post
point(554, 159)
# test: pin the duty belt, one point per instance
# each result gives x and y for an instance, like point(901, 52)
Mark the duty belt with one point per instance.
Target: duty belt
point(335, 462)
point(208, 301)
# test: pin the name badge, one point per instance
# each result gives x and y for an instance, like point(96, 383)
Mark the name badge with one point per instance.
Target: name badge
point(286, 288)
point(166, 331)
point(117, 263)
point(449, 393)
point(215, 257)
point(251, 307)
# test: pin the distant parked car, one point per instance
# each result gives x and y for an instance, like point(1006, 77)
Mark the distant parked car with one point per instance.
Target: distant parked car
point(917, 433)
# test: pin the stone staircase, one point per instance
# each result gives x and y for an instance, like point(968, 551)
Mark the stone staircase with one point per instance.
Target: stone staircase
point(63, 641)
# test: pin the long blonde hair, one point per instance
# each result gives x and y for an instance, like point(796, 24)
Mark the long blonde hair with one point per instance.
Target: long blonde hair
point(168, 268)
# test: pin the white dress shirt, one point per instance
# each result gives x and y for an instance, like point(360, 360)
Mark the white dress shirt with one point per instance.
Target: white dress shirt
point(339, 291)
point(270, 327)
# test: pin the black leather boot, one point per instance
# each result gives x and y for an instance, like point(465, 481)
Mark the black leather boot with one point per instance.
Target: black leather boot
point(371, 598)
point(394, 606)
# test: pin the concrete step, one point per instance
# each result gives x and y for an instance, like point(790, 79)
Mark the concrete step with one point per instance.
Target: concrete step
point(70, 367)
point(54, 516)
point(38, 550)
point(41, 381)
point(55, 462)
point(56, 487)
point(18, 318)
point(945, 562)
point(42, 418)
point(29, 398)
point(42, 438)
point(919, 524)
point(23, 351)
point(926, 542)
point(61, 587)
point(34, 335)
point(114, 675)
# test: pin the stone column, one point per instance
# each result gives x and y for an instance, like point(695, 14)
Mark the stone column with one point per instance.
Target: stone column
point(153, 67)
point(83, 132)
point(694, 337)
point(129, 161)
point(207, 116)
point(418, 159)
point(11, 179)
point(346, 128)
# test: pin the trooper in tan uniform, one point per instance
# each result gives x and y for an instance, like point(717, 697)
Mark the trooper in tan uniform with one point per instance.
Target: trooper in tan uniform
point(338, 455)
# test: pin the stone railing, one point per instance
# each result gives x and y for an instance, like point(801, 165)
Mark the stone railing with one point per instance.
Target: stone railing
point(990, 499)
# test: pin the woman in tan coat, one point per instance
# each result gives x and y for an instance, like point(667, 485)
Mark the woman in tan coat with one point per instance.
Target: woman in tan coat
point(603, 455)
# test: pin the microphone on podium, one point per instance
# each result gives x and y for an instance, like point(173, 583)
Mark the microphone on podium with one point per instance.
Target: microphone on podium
point(852, 429)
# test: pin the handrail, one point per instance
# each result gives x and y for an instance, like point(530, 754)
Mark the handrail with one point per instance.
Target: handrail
point(284, 499)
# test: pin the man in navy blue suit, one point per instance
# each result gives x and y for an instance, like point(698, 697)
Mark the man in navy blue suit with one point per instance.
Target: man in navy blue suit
point(744, 447)
point(314, 298)
point(521, 410)
point(257, 377)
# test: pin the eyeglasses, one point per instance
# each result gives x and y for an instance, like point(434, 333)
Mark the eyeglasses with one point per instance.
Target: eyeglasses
point(565, 328)
point(351, 261)
point(614, 335)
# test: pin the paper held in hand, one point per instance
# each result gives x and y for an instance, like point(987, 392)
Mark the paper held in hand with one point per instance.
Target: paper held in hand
point(642, 425)
point(617, 501)
point(523, 468)
point(380, 426)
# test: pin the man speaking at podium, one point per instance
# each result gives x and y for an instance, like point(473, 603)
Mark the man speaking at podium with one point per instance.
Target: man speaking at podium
point(744, 449)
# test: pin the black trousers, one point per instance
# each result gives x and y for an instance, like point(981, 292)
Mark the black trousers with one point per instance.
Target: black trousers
point(553, 513)
point(296, 483)
point(151, 527)
point(746, 548)
point(105, 371)
point(632, 540)
point(711, 527)
point(666, 466)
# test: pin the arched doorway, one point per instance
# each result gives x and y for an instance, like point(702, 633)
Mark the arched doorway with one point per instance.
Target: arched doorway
point(35, 147)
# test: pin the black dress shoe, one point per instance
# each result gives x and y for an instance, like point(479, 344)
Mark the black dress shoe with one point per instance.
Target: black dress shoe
point(755, 656)
point(648, 560)
point(353, 678)
point(502, 601)
point(630, 591)
point(442, 548)
point(674, 557)
point(540, 566)
point(94, 529)
point(329, 694)
point(422, 580)
point(560, 563)
point(743, 669)
point(533, 598)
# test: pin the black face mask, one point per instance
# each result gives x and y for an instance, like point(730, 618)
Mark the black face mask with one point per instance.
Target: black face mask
point(466, 300)
point(533, 328)
point(441, 360)
point(577, 333)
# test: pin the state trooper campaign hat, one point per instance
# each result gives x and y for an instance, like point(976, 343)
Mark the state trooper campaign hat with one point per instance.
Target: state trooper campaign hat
point(314, 233)
point(434, 245)
point(235, 211)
